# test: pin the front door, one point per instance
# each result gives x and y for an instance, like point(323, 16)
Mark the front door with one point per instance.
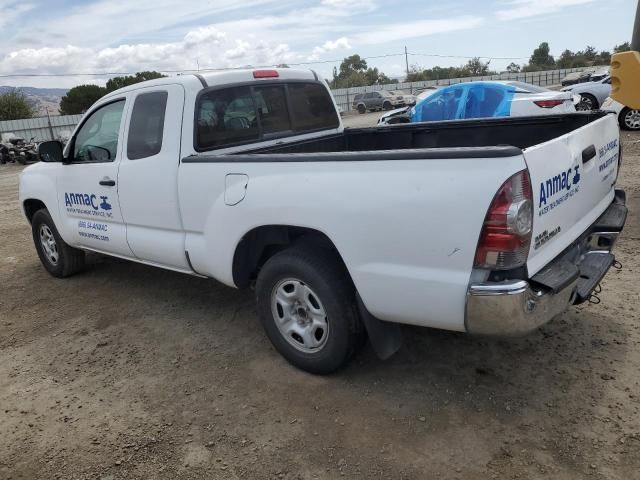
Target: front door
point(87, 187)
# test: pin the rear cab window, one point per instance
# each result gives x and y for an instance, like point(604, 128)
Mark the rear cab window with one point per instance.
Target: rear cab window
point(251, 113)
point(147, 125)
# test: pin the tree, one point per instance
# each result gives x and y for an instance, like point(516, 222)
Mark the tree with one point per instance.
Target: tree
point(15, 105)
point(80, 98)
point(566, 59)
point(354, 72)
point(604, 58)
point(513, 67)
point(540, 58)
point(590, 53)
point(623, 47)
point(119, 82)
point(476, 67)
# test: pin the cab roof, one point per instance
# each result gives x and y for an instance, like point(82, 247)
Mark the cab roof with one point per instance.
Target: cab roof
point(200, 80)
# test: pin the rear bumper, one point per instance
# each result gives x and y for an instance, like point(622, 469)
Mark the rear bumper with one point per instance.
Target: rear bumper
point(517, 307)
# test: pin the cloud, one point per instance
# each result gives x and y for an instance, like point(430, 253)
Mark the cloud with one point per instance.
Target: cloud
point(419, 28)
point(206, 46)
point(11, 11)
point(239, 51)
point(531, 8)
point(368, 5)
point(328, 46)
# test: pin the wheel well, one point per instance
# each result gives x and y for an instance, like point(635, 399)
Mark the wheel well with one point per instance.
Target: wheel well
point(31, 206)
point(261, 243)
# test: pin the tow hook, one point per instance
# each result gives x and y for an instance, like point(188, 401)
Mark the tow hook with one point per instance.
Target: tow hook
point(593, 298)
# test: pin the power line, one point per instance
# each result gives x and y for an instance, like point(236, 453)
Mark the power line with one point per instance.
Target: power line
point(201, 69)
point(219, 69)
point(465, 57)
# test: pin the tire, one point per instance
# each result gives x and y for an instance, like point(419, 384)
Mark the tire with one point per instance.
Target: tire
point(302, 286)
point(629, 119)
point(587, 102)
point(387, 106)
point(362, 109)
point(58, 258)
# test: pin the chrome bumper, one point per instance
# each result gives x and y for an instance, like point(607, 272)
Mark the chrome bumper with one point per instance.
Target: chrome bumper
point(513, 308)
point(517, 307)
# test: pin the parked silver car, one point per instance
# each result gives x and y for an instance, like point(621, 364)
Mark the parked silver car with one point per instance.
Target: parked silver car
point(592, 94)
point(380, 100)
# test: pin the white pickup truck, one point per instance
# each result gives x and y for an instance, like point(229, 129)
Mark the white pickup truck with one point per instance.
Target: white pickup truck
point(489, 226)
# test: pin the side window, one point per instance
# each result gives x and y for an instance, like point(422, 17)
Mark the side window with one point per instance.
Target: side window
point(312, 107)
point(147, 125)
point(97, 139)
point(271, 104)
point(369, 95)
point(226, 117)
point(441, 106)
point(483, 102)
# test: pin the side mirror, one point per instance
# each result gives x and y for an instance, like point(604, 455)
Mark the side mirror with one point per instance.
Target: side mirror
point(51, 151)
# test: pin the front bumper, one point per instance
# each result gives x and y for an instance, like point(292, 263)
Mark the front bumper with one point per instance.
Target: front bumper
point(517, 307)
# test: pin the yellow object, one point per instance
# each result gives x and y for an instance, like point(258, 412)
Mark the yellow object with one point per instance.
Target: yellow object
point(625, 78)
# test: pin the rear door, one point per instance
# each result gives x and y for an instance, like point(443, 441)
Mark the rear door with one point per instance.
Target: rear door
point(148, 176)
point(572, 178)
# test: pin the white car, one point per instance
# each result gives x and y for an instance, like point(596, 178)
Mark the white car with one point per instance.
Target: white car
point(483, 100)
point(248, 177)
point(592, 94)
point(628, 118)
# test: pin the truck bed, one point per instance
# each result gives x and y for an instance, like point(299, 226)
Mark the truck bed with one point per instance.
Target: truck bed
point(519, 132)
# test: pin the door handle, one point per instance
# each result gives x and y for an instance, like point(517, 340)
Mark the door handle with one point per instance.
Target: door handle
point(107, 182)
point(588, 153)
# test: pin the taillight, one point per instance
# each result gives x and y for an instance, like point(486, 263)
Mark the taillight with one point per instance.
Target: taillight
point(265, 74)
point(506, 232)
point(548, 103)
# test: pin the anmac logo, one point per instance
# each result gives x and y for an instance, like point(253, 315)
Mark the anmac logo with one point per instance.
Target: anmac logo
point(562, 182)
point(87, 200)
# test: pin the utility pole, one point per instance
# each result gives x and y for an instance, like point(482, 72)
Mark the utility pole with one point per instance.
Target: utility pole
point(406, 60)
point(49, 123)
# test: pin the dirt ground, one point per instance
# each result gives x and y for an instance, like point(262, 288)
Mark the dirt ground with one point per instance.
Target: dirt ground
point(126, 371)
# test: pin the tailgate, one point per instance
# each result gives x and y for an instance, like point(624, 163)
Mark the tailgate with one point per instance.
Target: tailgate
point(572, 179)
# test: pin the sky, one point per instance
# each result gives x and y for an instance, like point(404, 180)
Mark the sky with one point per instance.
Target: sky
point(113, 36)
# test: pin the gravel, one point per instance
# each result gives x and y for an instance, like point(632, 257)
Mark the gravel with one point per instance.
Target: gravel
point(156, 357)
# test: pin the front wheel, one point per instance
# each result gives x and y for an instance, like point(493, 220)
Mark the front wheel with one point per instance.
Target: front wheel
point(57, 257)
point(387, 106)
point(306, 303)
point(362, 109)
point(630, 119)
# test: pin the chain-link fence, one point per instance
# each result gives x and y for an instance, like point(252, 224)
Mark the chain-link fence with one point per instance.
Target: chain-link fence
point(344, 96)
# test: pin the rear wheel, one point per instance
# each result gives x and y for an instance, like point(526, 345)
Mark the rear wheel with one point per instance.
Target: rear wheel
point(57, 257)
point(629, 119)
point(587, 102)
point(306, 303)
point(362, 109)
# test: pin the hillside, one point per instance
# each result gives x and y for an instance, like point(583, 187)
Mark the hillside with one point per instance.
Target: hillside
point(43, 98)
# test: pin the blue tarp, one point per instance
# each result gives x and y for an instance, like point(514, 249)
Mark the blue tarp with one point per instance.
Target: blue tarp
point(465, 100)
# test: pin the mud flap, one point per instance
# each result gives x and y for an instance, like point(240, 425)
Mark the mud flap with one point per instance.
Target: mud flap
point(385, 337)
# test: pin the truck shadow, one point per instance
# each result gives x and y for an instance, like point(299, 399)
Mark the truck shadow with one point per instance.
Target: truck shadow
point(571, 354)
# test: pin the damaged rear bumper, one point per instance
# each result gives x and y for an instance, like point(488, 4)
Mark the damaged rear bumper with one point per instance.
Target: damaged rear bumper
point(517, 307)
